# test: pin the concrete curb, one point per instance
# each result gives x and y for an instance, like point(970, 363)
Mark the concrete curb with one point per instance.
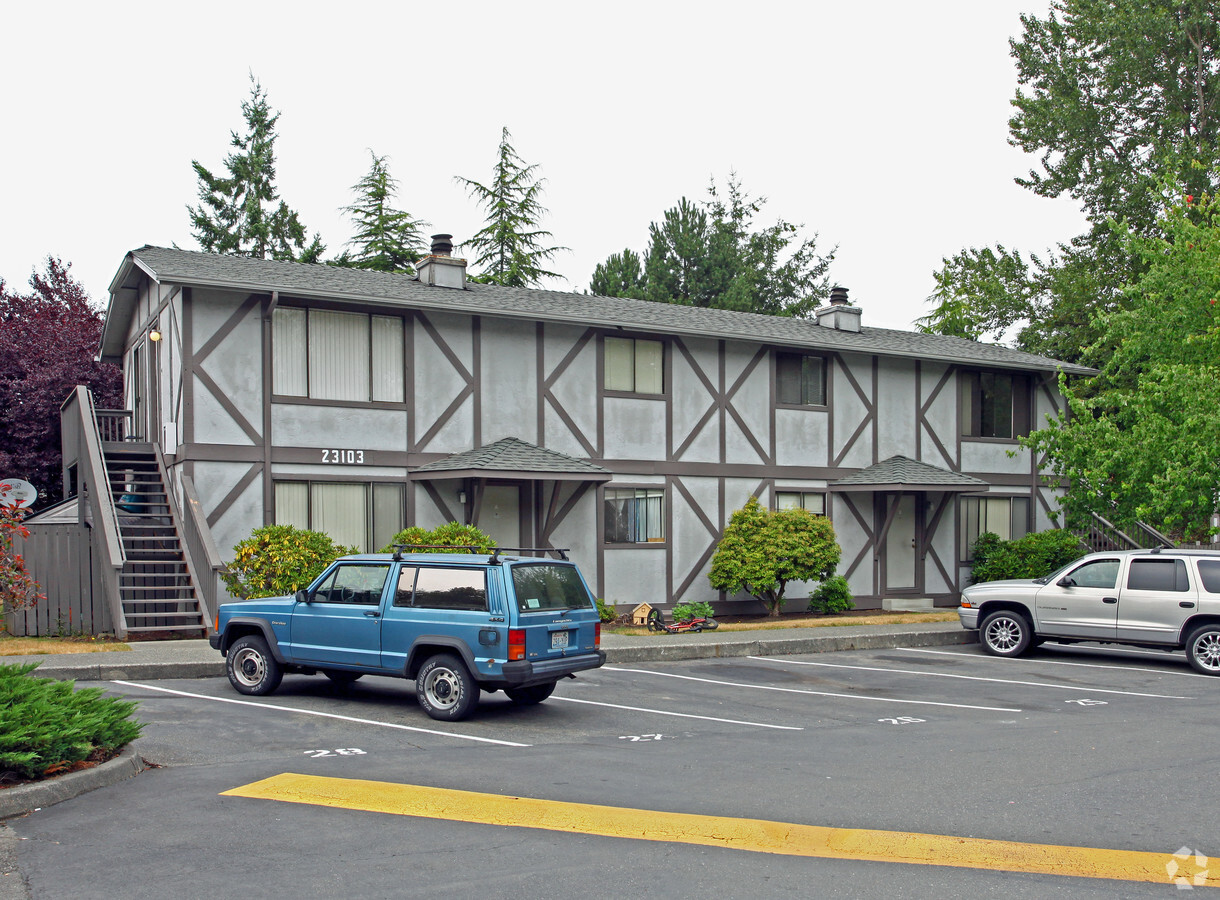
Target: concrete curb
point(658, 651)
point(25, 798)
point(134, 671)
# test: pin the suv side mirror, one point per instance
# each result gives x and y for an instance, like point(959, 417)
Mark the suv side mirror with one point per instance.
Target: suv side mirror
point(1066, 581)
point(303, 596)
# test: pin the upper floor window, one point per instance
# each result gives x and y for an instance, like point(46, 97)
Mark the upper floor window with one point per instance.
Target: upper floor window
point(634, 365)
point(800, 380)
point(328, 355)
point(1007, 517)
point(635, 515)
point(993, 404)
point(813, 502)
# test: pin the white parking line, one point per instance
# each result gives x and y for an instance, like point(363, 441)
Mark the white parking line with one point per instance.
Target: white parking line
point(665, 712)
point(324, 715)
point(764, 687)
point(1041, 684)
point(1051, 662)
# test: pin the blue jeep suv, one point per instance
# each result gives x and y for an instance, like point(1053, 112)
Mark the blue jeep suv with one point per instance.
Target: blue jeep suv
point(457, 623)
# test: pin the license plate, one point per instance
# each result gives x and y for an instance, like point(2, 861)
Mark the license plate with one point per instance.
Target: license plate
point(559, 640)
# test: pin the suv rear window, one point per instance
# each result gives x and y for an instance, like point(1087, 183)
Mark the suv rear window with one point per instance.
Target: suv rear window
point(1157, 575)
point(1209, 574)
point(544, 586)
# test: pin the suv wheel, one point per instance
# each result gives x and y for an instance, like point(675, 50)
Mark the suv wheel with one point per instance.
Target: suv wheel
point(1203, 649)
point(445, 689)
point(528, 696)
point(251, 667)
point(1006, 633)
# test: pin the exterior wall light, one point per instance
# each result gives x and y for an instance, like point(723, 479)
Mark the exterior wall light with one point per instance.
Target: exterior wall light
point(154, 335)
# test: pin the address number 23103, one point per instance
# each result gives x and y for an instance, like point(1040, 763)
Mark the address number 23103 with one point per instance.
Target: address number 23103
point(347, 457)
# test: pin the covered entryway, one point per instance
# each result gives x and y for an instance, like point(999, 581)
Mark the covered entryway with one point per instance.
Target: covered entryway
point(517, 492)
point(911, 505)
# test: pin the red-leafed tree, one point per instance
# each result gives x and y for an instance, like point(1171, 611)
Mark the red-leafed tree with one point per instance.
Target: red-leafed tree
point(49, 339)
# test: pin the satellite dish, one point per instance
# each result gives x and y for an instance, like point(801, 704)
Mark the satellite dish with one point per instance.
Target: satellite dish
point(17, 494)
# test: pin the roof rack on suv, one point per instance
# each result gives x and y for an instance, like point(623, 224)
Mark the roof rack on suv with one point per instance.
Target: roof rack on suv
point(496, 551)
point(470, 548)
point(399, 548)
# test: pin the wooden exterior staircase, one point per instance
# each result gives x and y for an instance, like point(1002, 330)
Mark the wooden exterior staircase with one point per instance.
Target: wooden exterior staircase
point(157, 589)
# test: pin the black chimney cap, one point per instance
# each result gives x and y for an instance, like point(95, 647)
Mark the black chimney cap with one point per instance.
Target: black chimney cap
point(442, 244)
point(838, 296)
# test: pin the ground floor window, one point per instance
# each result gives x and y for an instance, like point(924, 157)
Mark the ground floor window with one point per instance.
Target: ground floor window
point(364, 516)
point(1007, 517)
point(634, 515)
point(814, 502)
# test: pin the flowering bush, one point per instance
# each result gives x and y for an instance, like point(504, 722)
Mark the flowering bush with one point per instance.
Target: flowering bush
point(453, 534)
point(17, 589)
point(277, 560)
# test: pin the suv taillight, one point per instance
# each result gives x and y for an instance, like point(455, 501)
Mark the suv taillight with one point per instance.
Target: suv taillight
point(597, 635)
point(516, 643)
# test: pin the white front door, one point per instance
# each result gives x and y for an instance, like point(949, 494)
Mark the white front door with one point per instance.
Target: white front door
point(900, 545)
point(500, 515)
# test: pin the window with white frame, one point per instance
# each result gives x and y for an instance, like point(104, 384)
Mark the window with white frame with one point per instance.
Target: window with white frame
point(329, 355)
point(800, 379)
point(634, 515)
point(634, 365)
point(365, 516)
point(808, 500)
point(1007, 517)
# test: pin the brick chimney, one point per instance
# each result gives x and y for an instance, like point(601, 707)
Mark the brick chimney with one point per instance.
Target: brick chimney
point(839, 314)
point(441, 268)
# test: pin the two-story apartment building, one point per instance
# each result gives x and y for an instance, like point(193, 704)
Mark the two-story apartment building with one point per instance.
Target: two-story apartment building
point(357, 403)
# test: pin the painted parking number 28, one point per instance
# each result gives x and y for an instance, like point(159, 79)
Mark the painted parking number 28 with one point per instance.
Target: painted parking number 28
point(343, 751)
point(350, 457)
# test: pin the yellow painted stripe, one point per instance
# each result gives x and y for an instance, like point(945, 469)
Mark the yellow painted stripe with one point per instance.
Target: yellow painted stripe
point(757, 835)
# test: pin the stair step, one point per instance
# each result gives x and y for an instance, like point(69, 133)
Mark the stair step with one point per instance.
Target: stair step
point(199, 627)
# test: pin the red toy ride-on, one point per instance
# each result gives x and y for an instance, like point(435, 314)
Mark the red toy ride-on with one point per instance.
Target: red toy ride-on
point(656, 622)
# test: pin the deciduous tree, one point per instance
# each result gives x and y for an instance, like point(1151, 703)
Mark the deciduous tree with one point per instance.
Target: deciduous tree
point(238, 214)
point(762, 550)
point(1142, 441)
point(49, 339)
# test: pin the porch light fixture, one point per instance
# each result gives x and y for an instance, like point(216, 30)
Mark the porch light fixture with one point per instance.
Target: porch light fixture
point(461, 497)
point(154, 335)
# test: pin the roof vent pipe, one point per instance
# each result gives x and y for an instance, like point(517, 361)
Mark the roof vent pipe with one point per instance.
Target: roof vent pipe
point(838, 296)
point(442, 245)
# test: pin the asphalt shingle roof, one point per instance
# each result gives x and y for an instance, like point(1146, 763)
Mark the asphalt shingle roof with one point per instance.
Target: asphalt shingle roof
point(905, 472)
point(300, 280)
point(514, 455)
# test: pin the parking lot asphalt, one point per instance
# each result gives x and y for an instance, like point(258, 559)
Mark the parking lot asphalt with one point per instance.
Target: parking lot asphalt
point(195, 659)
point(903, 772)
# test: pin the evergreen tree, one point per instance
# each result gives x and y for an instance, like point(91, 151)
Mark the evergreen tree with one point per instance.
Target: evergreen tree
point(236, 214)
point(386, 239)
point(711, 255)
point(621, 275)
point(509, 248)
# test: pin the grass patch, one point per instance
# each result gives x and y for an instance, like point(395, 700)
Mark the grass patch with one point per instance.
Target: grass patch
point(43, 646)
point(767, 624)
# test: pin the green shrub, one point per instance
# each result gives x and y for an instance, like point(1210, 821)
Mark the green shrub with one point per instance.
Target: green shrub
point(48, 725)
point(1032, 556)
point(605, 611)
point(762, 550)
point(280, 559)
point(684, 612)
point(452, 535)
point(832, 596)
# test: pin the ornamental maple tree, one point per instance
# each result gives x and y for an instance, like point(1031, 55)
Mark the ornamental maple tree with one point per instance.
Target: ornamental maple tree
point(49, 339)
point(17, 589)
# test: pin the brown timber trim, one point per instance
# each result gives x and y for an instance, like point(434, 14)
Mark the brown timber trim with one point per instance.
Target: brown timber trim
point(238, 489)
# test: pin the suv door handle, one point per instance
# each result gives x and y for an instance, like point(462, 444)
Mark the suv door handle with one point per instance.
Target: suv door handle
point(372, 613)
point(1186, 604)
point(1109, 599)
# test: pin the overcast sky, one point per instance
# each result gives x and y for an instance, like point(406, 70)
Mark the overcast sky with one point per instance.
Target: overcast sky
point(881, 126)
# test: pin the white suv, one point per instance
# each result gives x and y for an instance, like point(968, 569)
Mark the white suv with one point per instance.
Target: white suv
point(1162, 599)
